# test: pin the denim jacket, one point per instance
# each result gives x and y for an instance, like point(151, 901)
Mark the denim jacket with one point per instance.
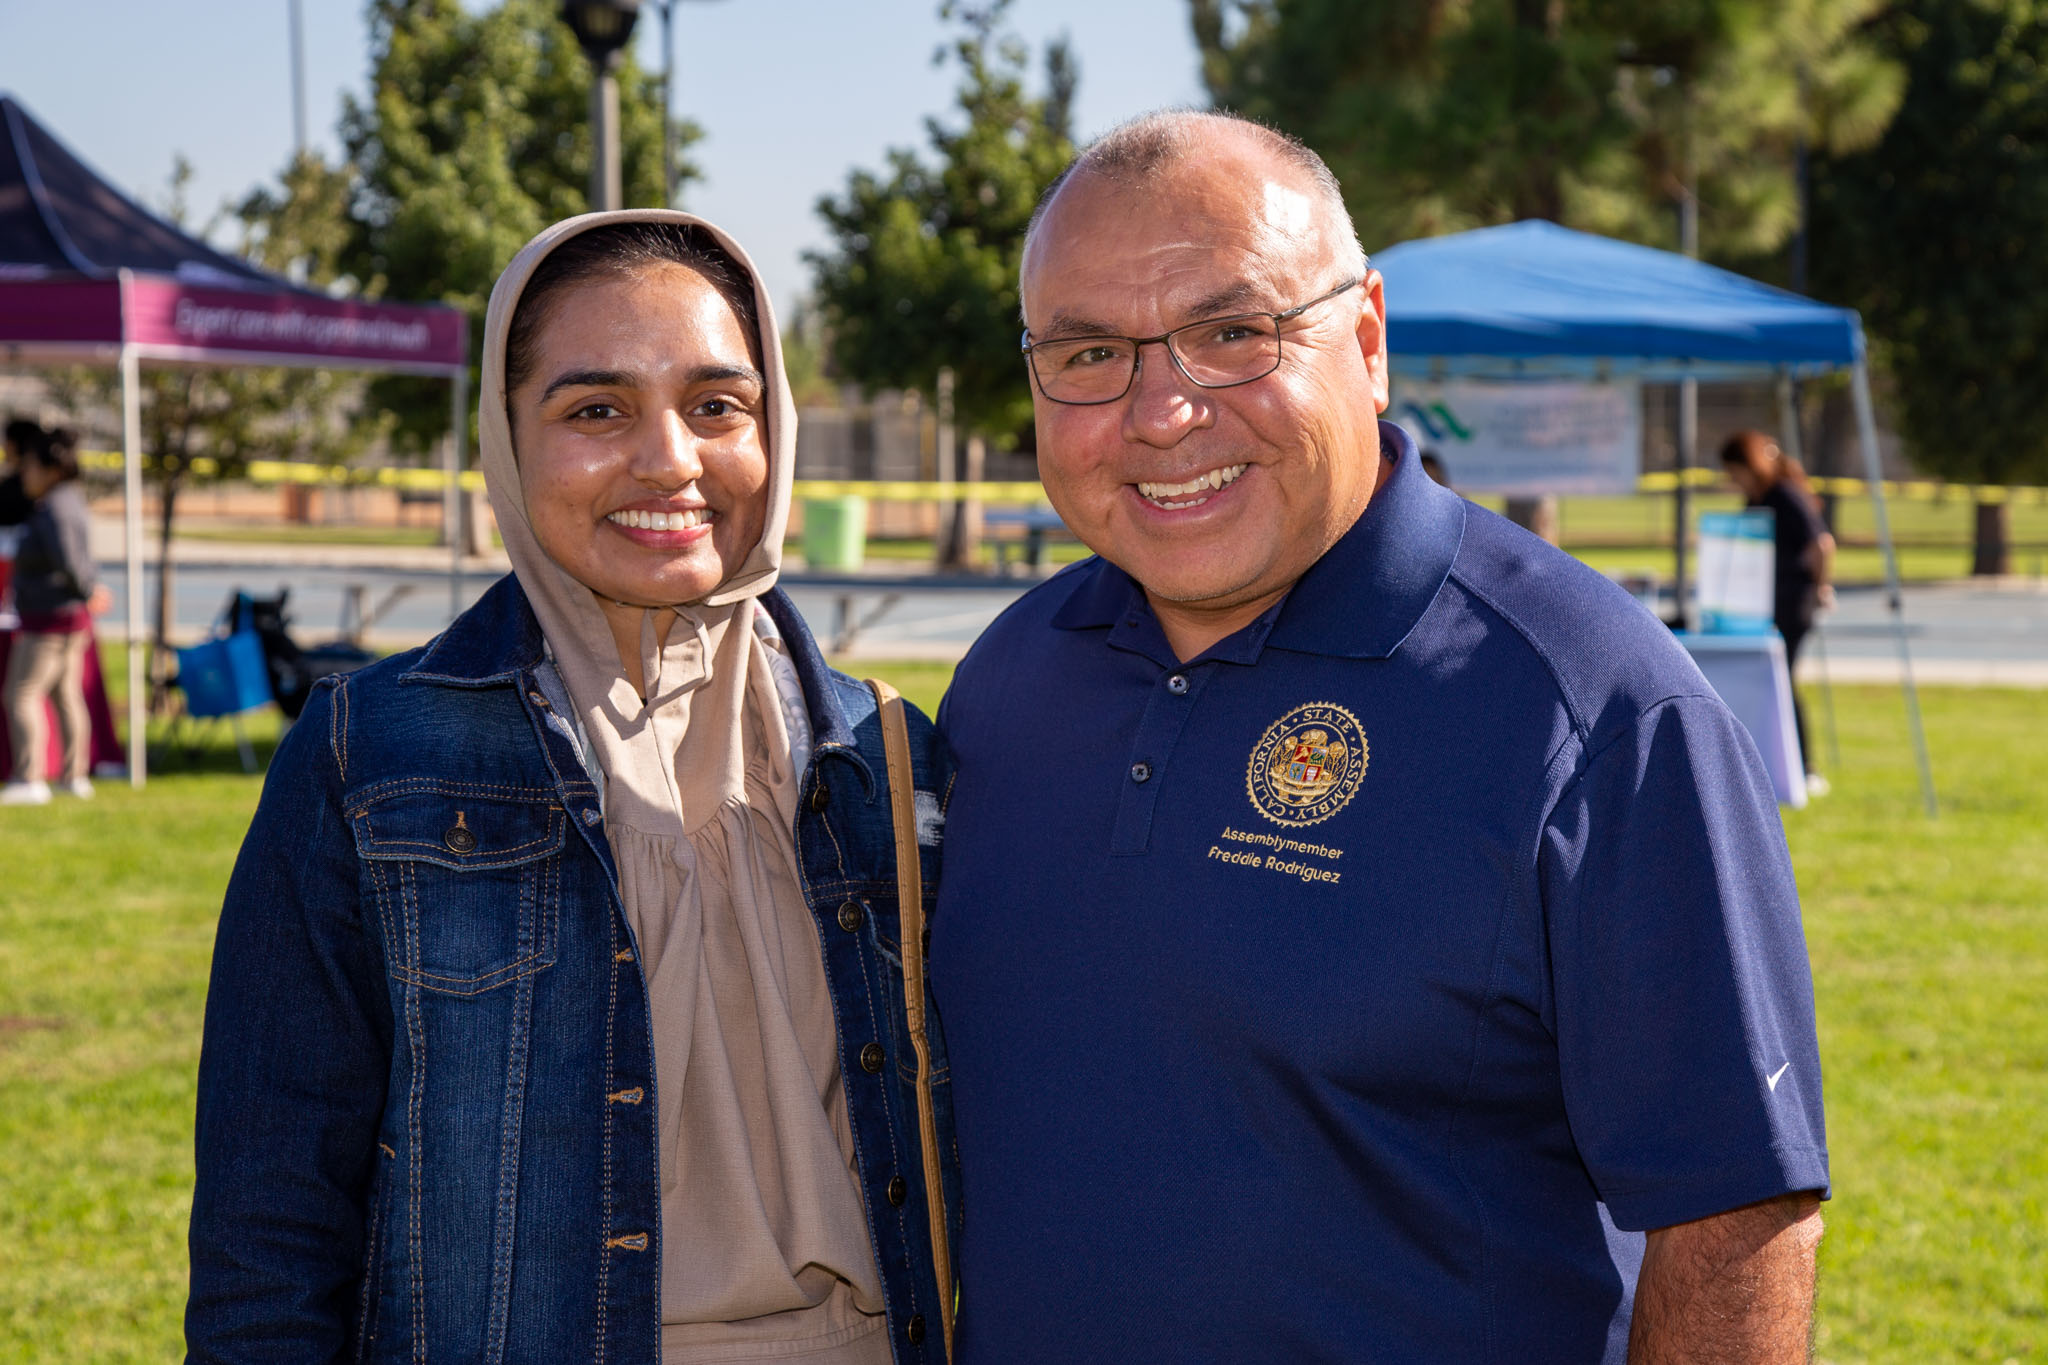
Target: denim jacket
point(426, 1126)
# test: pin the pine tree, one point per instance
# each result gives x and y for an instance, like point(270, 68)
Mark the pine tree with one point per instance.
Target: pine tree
point(1441, 115)
point(1935, 236)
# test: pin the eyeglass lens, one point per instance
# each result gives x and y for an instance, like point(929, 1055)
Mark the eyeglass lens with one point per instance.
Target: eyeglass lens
point(1215, 353)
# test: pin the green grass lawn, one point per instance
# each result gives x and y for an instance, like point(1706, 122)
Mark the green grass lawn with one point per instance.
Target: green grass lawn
point(1929, 941)
point(1930, 953)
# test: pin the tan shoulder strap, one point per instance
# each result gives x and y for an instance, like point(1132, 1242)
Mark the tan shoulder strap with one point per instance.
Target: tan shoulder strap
point(910, 916)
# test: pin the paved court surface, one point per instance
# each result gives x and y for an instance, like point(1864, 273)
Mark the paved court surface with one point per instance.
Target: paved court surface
point(1962, 632)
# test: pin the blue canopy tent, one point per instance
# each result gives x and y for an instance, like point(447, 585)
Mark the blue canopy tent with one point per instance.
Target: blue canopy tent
point(1533, 300)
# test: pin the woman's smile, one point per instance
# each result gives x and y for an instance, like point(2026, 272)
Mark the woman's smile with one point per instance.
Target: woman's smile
point(664, 526)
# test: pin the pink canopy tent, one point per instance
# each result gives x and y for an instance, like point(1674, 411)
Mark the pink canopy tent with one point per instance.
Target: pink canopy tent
point(87, 276)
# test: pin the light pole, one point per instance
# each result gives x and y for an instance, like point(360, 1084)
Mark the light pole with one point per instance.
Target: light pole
point(668, 99)
point(602, 29)
point(668, 103)
point(298, 81)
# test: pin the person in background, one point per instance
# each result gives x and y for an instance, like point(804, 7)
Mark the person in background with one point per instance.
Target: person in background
point(57, 592)
point(16, 505)
point(1769, 478)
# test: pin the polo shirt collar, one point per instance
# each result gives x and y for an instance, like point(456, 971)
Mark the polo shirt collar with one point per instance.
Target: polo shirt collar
point(1359, 601)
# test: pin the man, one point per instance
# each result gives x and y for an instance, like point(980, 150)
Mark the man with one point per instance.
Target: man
point(1365, 936)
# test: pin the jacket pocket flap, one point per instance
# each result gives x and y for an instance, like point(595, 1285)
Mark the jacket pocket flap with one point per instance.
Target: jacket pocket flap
point(455, 830)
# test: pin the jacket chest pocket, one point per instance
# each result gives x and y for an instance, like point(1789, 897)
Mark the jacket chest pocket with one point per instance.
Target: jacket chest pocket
point(466, 887)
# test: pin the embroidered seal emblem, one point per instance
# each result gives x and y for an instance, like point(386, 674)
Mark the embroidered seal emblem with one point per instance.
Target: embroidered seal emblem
point(1308, 765)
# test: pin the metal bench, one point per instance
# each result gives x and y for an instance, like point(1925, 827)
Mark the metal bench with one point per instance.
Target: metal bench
point(1035, 523)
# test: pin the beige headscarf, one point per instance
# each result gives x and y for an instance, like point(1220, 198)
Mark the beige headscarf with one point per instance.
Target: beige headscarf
point(766, 1252)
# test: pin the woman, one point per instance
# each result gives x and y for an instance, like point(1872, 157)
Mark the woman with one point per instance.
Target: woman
point(56, 594)
point(555, 1012)
point(1769, 478)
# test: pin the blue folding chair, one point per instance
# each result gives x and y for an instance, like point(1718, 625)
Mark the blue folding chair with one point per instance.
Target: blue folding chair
point(222, 678)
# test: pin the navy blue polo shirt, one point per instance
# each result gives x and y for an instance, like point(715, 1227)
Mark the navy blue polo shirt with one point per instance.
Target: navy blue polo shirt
point(1361, 989)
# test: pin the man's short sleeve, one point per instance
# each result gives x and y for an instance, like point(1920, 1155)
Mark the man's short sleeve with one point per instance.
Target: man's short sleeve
point(1682, 995)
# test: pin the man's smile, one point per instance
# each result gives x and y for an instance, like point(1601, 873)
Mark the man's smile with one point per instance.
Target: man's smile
point(1175, 496)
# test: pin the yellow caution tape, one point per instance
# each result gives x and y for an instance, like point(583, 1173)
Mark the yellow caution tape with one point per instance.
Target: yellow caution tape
point(919, 490)
point(930, 490)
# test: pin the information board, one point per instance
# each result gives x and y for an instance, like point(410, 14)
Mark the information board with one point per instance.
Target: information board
point(1528, 439)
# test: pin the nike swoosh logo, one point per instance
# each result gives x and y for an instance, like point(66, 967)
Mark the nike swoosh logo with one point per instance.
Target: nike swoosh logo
point(1772, 1079)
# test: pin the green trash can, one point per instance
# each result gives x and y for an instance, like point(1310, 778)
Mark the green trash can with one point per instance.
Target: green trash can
point(835, 532)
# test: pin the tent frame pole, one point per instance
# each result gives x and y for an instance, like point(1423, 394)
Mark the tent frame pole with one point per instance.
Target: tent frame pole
point(131, 536)
point(1866, 429)
point(1681, 503)
point(451, 502)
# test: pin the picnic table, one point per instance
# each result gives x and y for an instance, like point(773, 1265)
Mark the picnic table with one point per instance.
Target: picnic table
point(1034, 522)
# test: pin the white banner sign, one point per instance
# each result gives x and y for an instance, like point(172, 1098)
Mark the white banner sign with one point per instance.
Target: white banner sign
point(1528, 439)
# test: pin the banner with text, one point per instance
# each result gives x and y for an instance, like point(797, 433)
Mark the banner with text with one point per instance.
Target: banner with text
point(1525, 440)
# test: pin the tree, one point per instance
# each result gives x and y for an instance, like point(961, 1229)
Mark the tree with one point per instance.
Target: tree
point(1439, 115)
point(923, 271)
point(475, 136)
point(1935, 235)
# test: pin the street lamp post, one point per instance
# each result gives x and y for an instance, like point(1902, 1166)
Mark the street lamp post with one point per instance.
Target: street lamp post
point(668, 103)
point(602, 29)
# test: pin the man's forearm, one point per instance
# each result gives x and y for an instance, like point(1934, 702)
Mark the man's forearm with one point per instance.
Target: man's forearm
point(1733, 1289)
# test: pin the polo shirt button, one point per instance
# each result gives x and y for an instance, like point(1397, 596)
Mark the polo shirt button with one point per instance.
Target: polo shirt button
point(1178, 685)
point(821, 797)
point(849, 915)
point(1141, 772)
point(914, 1329)
point(899, 1190)
point(871, 1058)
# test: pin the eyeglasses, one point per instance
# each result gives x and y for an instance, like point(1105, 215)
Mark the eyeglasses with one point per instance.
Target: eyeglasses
point(1215, 353)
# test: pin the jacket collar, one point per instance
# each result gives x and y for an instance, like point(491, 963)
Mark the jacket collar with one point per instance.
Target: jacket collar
point(1359, 601)
point(489, 645)
point(829, 721)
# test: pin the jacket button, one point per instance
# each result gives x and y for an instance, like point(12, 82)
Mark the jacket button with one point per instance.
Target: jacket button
point(821, 797)
point(592, 816)
point(899, 1190)
point(459, 839)
point(914, 1329)
point(849, 915)
point(871, 1058)
point(1178, 685)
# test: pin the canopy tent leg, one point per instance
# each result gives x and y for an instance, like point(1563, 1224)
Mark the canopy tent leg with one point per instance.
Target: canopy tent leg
point(458, 440)
point(1688, 456)
point(131, 542)
point(1789, 439)
point(1866, 428)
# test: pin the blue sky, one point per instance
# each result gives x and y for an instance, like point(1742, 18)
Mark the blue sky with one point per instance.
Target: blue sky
point(791, 93)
